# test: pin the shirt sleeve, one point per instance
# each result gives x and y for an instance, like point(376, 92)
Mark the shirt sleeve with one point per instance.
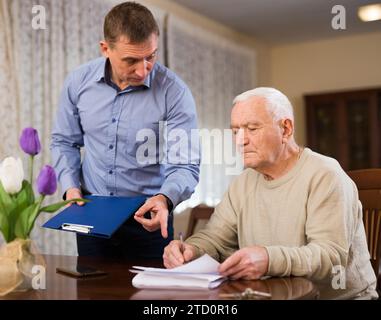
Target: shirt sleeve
point(67, 137)
point(219, 237)
point(333, 212)
point(182, 151)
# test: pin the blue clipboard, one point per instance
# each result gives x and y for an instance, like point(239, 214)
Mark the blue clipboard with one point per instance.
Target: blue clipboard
point(100, 217)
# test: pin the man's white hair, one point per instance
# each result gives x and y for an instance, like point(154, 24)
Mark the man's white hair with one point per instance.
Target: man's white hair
point(276, 102)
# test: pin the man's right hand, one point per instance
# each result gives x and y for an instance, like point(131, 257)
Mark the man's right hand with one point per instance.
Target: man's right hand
point(74, 193)
point(177, 253)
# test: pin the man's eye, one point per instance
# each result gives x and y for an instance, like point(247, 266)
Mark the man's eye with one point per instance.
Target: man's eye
point(131, 61)
point(252, 129)
point(151, 57)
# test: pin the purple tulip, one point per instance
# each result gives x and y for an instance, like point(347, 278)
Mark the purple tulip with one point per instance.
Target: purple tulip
point(29, 141)
point(47, 181)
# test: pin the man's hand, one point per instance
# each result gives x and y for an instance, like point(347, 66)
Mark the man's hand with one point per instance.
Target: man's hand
point(74, 193)
point(158, 207)
point(177, 253)
point(248, 263)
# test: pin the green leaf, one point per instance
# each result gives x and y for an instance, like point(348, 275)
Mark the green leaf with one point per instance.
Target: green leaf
point(33, 216)
point(21, 228)
point(3, 210)
point(56, 206)
point(6, 200)
point(4, 226)
point(25, 197)
point(29, 191)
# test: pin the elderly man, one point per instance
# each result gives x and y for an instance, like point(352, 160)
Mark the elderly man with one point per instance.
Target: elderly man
point(104, 107)
point(292, 212)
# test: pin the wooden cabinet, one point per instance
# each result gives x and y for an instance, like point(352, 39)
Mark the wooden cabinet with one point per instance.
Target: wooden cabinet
point(346, 126)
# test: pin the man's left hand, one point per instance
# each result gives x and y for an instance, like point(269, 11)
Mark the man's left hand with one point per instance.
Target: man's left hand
point(248, 263)
point(158, 207)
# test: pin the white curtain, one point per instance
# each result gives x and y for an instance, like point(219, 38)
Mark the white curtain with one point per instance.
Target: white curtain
point(216, 70)
point(33, 66)
point(10, 119)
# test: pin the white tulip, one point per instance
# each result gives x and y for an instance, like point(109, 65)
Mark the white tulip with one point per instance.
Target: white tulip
point(11, 174)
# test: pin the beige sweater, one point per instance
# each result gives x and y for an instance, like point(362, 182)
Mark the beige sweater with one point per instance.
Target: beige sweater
point(309, 220)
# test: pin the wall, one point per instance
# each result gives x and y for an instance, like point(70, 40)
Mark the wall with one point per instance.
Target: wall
point(262, 50)
point(348, 62)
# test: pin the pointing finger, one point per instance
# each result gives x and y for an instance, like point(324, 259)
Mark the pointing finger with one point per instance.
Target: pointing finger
point(164, 224)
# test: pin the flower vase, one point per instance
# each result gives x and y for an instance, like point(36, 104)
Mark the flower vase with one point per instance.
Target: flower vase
point(17, 259)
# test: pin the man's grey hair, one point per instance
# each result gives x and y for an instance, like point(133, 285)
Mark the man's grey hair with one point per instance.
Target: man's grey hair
point(276, 102)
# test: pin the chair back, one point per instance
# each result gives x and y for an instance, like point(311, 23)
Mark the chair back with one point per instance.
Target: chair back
point(368, 182)
point(200, 212)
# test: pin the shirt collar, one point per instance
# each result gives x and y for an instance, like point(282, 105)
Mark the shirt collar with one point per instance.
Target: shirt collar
point(103, 74)
point(100, 73)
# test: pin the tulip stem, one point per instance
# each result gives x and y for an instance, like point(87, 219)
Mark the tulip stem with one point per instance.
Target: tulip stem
point(36, 213)
point(40, 200)
point(31, 170)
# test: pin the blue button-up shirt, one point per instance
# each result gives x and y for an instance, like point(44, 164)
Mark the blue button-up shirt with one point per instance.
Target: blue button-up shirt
point(95, 114)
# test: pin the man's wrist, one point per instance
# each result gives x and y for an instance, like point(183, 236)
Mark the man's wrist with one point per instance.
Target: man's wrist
point(64, 195)
point(169, 202)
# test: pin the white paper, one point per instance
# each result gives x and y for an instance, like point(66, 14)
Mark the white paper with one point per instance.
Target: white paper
point(204, 264)
point(200, 273)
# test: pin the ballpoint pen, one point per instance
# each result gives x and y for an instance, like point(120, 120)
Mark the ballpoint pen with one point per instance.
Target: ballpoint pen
point(181, 242)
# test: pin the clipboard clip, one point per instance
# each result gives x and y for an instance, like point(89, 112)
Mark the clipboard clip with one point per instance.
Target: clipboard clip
point(76, 227)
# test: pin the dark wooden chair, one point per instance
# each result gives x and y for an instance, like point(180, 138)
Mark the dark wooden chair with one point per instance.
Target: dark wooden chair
point(200, 212)
point(368, 183)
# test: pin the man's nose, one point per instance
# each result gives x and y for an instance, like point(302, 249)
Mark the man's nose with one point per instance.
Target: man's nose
point(142, 69)
point(241, 138)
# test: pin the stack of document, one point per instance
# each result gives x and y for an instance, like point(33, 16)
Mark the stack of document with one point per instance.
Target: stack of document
point(201, 273)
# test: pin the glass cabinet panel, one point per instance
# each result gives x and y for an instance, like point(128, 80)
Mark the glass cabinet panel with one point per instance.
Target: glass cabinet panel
point(326, 127)
point(358, 133)
point(346, 126)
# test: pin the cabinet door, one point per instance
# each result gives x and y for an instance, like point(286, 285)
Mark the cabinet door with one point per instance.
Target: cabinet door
point(346, 126)
point(326, 126)
point(359, 133)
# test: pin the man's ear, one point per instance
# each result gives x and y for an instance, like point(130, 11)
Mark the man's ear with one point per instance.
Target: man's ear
point(104, 46)
point(288, 129)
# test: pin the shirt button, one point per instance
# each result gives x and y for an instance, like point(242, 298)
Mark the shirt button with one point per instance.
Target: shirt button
point(110, 172)
point(111, 146)
point(113, 120)
point(111, 193)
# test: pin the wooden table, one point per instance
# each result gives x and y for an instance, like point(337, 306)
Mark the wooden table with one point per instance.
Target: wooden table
point(117, 284)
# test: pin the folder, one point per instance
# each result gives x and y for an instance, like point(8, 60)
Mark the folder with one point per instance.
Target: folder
point(100, 217)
